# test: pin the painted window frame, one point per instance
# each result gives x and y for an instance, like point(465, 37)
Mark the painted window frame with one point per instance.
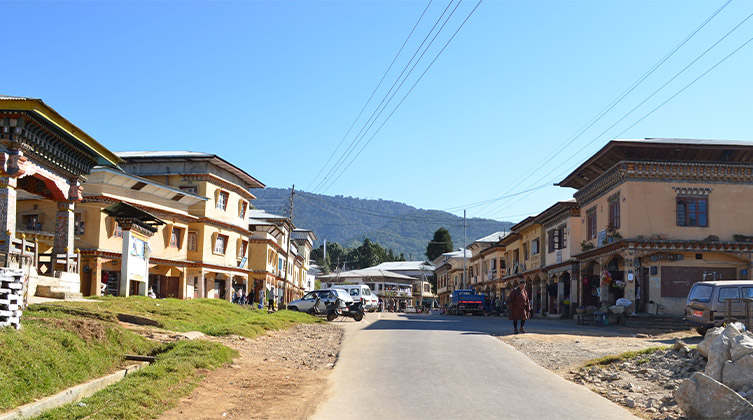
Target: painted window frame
point(683, 203)
point(591, 223)
point(222, 199)
point(192, 240)
point(220, 239)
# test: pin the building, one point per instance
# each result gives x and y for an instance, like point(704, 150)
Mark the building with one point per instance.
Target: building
point(448, 268)
point(562, 229)
point(487, 265)
point(45, 155)
point(217, 238)
point(661, 214)
point(120, 214)
point(421, 271)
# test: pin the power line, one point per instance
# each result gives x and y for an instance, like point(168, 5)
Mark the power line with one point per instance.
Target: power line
point(617, 100)
point(372, 94)
point(651, 96)
point(406, 95)
point(351, 146)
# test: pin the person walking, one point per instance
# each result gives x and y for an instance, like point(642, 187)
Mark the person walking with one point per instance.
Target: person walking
point(519, 306)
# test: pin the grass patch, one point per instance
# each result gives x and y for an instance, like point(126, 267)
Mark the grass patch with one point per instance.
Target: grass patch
point(211, 316)
point(50, 354)
point(152, 390)
point(628, 355)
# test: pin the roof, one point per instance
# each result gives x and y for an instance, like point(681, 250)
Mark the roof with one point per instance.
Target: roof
point(556, 209)
point(263, 215)
point(303, 234)
point(674, 150)
point(46, 113)
point(523, 223)
point(118, 178)
point(405, 266)
point(126, 211)
point(494, 237)
point(371, 272)
point(183, 155)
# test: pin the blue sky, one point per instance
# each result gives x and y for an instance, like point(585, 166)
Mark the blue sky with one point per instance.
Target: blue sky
point(273, 87)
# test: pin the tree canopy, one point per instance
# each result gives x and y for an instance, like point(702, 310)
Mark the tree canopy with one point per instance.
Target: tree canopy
point(367, 254)
point(439, 244)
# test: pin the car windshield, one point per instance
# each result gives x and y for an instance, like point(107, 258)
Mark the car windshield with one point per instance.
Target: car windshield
point(310, 295)
point(701, 293)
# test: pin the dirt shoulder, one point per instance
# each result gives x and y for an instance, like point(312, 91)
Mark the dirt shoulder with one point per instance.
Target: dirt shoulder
point(280, 375)
point(644, 386)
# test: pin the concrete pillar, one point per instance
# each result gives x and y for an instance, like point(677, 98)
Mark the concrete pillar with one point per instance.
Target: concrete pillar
point(201, 285)
point(229, 288)
point(7, 217)
point(125, 290)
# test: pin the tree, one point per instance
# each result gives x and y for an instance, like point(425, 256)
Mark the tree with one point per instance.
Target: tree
point(439, 244)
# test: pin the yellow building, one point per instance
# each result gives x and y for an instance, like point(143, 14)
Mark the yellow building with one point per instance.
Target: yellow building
point(525, 260)
point(99, 238)
point(487, 264)
point(217, 236)
point(448, 268)
point(661, 214)
point(562, 227)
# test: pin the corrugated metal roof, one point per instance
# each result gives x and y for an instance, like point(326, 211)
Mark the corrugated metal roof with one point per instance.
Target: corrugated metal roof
point(494, 237)
point(405, 265)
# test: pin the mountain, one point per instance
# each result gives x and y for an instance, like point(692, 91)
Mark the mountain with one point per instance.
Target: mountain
point(348, 220)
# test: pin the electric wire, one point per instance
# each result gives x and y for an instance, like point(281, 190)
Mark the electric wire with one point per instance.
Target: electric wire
point(619, 99)
point(372, 94)
point(351, 146)
point(406, 95)
point(651, 96)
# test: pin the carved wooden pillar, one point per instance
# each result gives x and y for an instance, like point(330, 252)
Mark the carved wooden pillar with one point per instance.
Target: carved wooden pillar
point(202, 284)
point(64, 239)
point(7, 217)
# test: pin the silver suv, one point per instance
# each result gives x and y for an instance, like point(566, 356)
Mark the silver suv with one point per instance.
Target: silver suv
point(306, 303)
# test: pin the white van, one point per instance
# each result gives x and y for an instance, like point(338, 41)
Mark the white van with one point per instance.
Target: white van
point(360, 292)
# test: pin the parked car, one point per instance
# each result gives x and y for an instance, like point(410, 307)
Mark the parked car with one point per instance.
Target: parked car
point(706, 306)
point(373, 304)
point(306, 303)
point(360, 292)
point(409, 309)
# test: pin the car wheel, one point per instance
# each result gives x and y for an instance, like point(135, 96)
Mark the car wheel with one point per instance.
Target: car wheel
point(331, 316)
point(358, 317)
point(701, 330)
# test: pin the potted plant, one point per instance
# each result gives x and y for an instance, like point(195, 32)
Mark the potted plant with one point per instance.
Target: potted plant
point(585, 246)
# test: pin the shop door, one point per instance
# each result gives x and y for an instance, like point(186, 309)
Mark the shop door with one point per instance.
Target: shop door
point(134, 288)
point(170, 287)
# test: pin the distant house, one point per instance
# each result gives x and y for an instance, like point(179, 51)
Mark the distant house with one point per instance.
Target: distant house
point(448, 268)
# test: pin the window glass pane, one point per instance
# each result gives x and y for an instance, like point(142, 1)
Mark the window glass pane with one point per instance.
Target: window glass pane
point(728, 293)
point(692, 219)
point(748, 292)
point(681, 213)
point(691, 206)
point(702, 220)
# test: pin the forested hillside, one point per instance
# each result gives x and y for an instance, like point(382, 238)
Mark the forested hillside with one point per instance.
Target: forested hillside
point(348, 220)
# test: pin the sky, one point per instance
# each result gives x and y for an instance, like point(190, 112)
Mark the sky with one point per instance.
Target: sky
point(490, 116)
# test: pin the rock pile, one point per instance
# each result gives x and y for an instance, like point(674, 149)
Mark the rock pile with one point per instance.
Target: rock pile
point(725, 389)
point(11, 297)
point(632, 382)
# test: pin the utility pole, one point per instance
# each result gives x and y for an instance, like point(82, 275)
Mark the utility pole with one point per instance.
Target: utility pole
point(287, 255)
point(465, 271)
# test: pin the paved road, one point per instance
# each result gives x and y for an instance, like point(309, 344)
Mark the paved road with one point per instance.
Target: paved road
point(398, 366)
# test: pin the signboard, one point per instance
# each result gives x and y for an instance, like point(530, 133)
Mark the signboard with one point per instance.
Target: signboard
point(601, 238)
point(243, 262)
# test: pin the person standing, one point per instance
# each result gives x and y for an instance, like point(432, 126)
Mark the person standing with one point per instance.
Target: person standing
point(519, 306)
point(271, 299)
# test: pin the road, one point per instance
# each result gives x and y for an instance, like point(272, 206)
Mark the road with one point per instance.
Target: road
point(417, 366)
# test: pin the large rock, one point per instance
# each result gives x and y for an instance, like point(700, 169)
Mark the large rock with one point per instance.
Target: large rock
point(702, 398)
point(711, 336)
point(738, 374)
point(718, 354)
point(742, 345)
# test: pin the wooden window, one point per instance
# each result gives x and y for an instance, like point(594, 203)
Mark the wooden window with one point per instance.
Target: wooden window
point(535, 247)
point(175, 238)
point(193, 239)
point(591, 223)
point(692, 211)
point(222, 198)
point(220, 244)
point(553, 239)
point(614, 213)
point(242, 249)
point(525, 251)
point(78, 223)
point(118, 233)
point(242, 206)
point(193, 189)
point(563, 236)
point(31, 222)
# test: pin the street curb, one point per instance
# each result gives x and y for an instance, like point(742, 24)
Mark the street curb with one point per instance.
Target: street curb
point(70, 395)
